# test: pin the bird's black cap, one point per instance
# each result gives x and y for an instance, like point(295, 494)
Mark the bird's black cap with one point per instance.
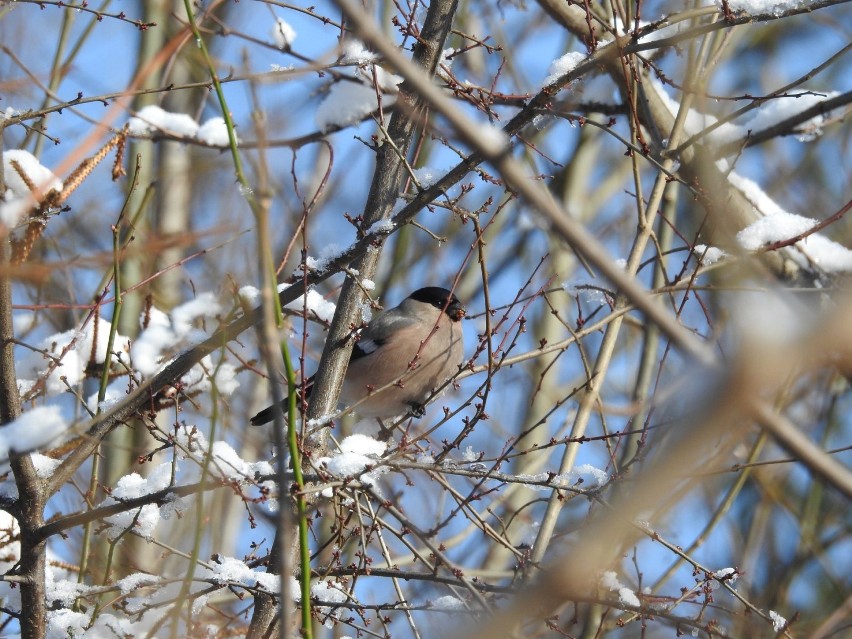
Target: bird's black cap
point(440, 298)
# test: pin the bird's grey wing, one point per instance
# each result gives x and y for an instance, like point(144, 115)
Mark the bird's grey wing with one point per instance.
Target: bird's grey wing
point(379, 331)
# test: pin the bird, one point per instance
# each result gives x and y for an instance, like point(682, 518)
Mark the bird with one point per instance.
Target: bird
point(399, 358)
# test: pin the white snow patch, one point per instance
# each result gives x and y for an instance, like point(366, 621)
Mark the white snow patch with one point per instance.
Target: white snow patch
point(778, 225)
point(163, 332)
point(283, 34)
point(203, 375)
point(214, 132)
point(728, 574)
point(42, 177)
point(44, 465)
point(764, 117)
point(115, 392)
point(18, 200)
point(626, 596)
point(346, 103)
point(708, 255)
point(328, 592)
point(32, 430)
point(143, 520)
point(250, 295)
point(774, 7)
point(315, 305)
point(388, 82)
point(563, 66)
point(426, 176)
point(382, 226)
point(448, 603)
point(354, 52)
point(357, 453)
point(570, 478)
point(588, 290)
point(64, 623)
point(153, 119)
point(80, 346)
point(778, 622)
point(135, 581)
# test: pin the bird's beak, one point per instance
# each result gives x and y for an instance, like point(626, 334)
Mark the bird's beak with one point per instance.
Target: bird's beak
point(456, 311)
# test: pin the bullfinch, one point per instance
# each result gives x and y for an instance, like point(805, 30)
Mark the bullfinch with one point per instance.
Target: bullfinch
point(400, 357)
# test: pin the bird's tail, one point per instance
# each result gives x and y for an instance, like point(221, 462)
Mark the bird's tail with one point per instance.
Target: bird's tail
point(268, 414)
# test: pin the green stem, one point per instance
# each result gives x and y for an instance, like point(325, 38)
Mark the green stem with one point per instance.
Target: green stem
point(245, 187)
point(270, 278)
point(301, 506)
point(217, 86)
point(104, 382)
point(199, 514)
